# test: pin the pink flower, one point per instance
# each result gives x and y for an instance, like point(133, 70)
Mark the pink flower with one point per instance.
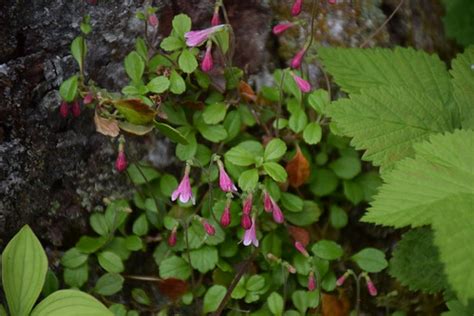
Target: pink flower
point(225, 218)
point(247, 208)
point(296, 61)
point(153, 20)
point(342, 279)
point(172, 237)
point(207, 63)
point(371, 287)
point(245, 221)
point(277, 213)
point(215, 18)
point(183, 191)
point(76, 109)
point(299, 246)
point(250, 235)
point(311, 282)
point(282, 27)
point(210, 230)
point(197, 38)
point(121, 161)
point(64, 109)
point(332, 1)
point(296, 9)
point(88, 98)
point(225, 182)
point(267, 202)
point(303, 85)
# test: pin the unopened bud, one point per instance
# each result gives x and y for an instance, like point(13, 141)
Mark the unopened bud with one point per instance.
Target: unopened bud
point(64, 109)
point(210, 230)
point(76, 109)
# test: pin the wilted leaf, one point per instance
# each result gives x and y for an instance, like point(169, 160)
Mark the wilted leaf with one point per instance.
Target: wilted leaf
point(107, 127)
point(335, 306)
point(135, 111)
point(135, 129)
point(299, 234)
point(246, 92)
point(298, 169)
point(173, 288)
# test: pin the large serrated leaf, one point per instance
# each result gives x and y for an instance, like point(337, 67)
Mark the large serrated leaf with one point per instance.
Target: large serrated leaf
point(463, 82)
point(24, 267)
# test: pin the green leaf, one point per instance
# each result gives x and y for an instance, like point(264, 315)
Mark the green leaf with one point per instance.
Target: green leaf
point(69, 303)
point(174, 267)
point(300, 300)
point(463, 82)
point(213, 298)
point(319, 100)
point(79, 50)
point(245, 153)
point(73, 258)
point(110, 262)
point(385, 134)
point(181, 24)
point(458, 21)
point(275, 303)
point(171, 132)
point(140, 296)
point(309, 215)
point(135, 111)
point(371, 260)
point(274, 150)
point(298, 121)
point(140, 173)
point(222, 40)
point(346, 167)
point(232, 124)
point(248, 180)
point(255, 283)
point(204, 259)
point(291, 202)
point(324, 182)
point(177, 84)
point(327, 249)
point(337, 217)
point(213, 133)
point(51, 284)
point(68, 89)
point(312, 133)
point(172, 43)
point(140, 226)
point(140, 47)
point(187, 61)
point(24, 267)
point(356, 69)
point(134, 66)
point(416, 249)
point(214, 113)
point(271, 243)
point(76, 277)
point(109, 284)
point(158, 84)
point(353, 191)
point(276, 171)
point(89, 244)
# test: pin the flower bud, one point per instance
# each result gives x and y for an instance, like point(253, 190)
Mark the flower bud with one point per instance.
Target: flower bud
point(247, 208)
point(64, 109)
point(153, 20)
point(172, 237)
point(246, 221)
point(311, 282)
point(299, 246)
point(207, 62)
point(371, 287)
point(281, 27)
point(215, 18)
point(88, 98)
point(296, 8)
point(121, 162)
point(226, 217)
point(210, 230)
point(342, 279)
point(76, 109)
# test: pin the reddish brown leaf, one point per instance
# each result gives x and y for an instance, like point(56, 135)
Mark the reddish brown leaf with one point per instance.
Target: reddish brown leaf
point(246, 92)
point(135, 111)
point(335, 306)
point(173, 288)
point(107, 127)
point(298, 169)
point(299, 234)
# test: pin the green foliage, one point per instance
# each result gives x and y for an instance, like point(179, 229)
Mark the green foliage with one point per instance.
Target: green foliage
point(463, 82)
point(458, 21)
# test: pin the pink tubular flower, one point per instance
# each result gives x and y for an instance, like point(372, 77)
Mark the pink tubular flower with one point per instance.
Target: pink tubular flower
point(172, 237)
point(299, 246)
point(277, 213)
point(296, 61)
point(225, 181)
point(247, 208)
point(207, 63)
point(121, 161)
point(76, 109)
point(303, 85)
point(311, 282)
point(183, 191)
point(332, 1)
point(281, 27)
point(296, 8)
point(215, 18)
point(210, 230)
point(88, 98)
point(371, 287)
point(342, 279)
point(226, 218)
point(250, 236)
point(64, 109)
point(267, 202)
point(245, 221)
point(197, 38)
point(153, 20)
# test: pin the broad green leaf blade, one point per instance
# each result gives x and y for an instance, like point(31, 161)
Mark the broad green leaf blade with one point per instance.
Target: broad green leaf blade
point(79, 50)
point(443, 167)
point(416, 249)
point(68, 89)
point(135, 111)
point(175, 267)
point(213, 298)
point(187, 61)
point(355, 69)
point(24, 267)
point(134, 66)
point(276, 171)
point(463, 81)
point(171, 132)
point(204, 259)
point(70, 303)
point(274, 150)
point(158, 84)
point(371, 260)
point(386, 122)
point(181, 24)
point(109, 284)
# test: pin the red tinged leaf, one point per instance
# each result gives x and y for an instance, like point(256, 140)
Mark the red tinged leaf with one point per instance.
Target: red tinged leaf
point(173, 288)
point(299, 234)
point(135, 111)
point(298, 169)
point(246, 92)
point(333, 305)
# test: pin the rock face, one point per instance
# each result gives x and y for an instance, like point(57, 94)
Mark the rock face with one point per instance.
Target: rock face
point(54, 171)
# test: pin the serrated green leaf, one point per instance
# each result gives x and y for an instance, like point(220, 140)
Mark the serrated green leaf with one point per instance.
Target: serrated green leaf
point(463, 82)
point(370, 259)
point(275, 171)
point(134, 66)
point(386, 122)
point(355, 69)
point(24, 268)
point(187, 61)
point(68, 89)
point(204, 259)
point(416, 249)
